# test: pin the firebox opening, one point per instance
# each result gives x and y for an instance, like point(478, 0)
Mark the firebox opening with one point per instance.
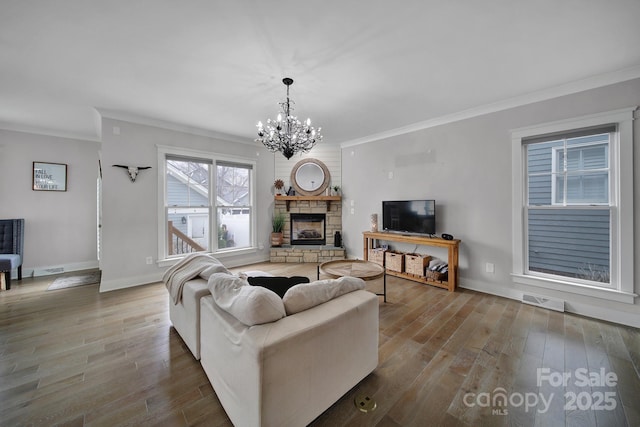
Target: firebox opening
point(308, 229)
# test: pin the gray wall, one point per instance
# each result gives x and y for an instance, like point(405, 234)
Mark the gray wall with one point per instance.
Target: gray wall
point(130, 210)
point(60, 227)
point(466, 167)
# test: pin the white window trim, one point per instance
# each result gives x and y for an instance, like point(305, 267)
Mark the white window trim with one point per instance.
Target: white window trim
point(621, 170)
point(163, 150)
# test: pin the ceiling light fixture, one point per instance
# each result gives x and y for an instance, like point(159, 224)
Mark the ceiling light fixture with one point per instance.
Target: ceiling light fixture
point(286, 134)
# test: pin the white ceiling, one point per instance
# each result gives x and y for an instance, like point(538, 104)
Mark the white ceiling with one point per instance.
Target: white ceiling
point(362, 68)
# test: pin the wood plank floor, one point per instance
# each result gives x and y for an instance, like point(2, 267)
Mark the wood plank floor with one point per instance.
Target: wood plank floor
point(76, 357)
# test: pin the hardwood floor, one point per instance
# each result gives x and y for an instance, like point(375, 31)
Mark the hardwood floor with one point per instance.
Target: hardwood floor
point(76, 357)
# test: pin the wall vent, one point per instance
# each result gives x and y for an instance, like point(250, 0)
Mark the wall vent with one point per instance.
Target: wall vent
point(544, 302)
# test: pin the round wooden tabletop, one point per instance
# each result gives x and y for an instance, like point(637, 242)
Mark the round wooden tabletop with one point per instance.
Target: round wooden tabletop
point(366, 270)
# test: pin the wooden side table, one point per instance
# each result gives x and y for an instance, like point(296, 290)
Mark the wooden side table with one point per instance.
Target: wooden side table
point(365, 270)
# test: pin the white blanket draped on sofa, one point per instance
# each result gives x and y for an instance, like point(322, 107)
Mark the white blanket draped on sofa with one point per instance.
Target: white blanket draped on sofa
point(186, 269)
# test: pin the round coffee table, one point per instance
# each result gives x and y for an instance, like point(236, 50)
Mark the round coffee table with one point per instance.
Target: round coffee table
point(365, 270)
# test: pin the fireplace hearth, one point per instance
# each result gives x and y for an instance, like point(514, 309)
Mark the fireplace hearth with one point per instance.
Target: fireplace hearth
point(308, 229)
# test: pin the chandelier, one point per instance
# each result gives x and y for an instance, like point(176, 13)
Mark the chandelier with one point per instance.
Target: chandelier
point(286, 134)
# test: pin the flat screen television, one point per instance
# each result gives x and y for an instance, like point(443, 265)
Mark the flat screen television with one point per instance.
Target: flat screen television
point(409, 216)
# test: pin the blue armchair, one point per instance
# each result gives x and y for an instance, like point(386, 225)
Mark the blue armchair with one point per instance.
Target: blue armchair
point(11, 247)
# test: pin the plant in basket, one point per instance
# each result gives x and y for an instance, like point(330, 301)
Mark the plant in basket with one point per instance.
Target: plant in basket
point(277, 235)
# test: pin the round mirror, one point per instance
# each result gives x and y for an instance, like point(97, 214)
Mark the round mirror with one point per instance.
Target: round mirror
point(310, 177)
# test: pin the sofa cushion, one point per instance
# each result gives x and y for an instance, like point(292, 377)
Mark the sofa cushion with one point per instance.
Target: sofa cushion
point(306, 295)
point(14, 259)
point(278, 284)
point(252, 305)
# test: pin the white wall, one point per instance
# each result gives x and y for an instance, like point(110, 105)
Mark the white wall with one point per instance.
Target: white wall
point(466, 167)
point(329, 154)
point(130, 210)
point(60, 227)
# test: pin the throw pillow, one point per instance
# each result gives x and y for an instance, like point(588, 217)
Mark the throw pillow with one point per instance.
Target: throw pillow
point(279, 285)
point(304, 296)
point(251, 305)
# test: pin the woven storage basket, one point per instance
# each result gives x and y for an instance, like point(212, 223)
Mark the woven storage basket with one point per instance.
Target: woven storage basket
point(394, 261)
point(377, 255)
point(416, 263)
point(435, 275)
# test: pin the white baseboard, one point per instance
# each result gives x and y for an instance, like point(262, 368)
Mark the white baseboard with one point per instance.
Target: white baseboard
point(488, 288)
point(58, 269)
point(229, 260)
point(130, 282)
point(609, 314)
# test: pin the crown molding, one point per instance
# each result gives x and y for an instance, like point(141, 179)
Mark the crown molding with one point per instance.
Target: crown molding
point(15, 127)
point(148, 121)
point(517, 101)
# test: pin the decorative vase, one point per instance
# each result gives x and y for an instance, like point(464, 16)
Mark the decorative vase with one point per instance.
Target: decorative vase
point(374, 222)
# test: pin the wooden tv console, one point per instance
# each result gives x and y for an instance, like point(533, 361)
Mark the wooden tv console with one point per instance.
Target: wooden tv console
point(369, 241)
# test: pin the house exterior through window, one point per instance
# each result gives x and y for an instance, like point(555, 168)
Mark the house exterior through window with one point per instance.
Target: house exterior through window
point(573, 205)
point(568, 211)
point(233, 204)
point(206, 203)
point(188, 210)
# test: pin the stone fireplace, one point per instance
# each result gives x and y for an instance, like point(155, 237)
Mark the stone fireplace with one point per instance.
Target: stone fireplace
point(308, 229)
point(307, 237)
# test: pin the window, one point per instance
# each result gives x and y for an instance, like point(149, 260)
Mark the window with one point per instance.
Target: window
point(580, 168)
point(233, 205)
point(195, 219)
point(188, 210)
point(573, 205)
point(568, 211)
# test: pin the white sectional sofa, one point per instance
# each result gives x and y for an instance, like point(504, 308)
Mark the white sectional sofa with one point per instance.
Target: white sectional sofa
point(288, 372)
point(275, 361)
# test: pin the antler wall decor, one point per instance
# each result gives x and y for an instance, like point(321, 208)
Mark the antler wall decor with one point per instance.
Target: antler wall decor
point(133, 171)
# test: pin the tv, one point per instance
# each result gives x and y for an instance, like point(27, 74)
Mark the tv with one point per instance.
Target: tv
point(409, 216)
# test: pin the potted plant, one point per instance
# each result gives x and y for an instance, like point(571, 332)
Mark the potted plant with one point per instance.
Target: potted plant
point(277, 235)
point(336, 190)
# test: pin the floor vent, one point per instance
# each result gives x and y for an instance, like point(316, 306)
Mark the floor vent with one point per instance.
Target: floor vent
point(544, 302)
point(47, 271)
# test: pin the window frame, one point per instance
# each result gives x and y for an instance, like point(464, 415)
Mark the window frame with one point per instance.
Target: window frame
point(250, 207)
point(565, 174)
point(162, 152)
point(621, 206)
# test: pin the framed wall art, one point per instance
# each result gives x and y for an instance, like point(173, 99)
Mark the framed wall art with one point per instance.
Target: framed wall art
point(49, 176)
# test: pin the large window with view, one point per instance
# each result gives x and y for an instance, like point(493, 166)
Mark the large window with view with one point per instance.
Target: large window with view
point(188, 209)
point(573, 205)
point(568, 209)
point(207, 203)
point(233, 205)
